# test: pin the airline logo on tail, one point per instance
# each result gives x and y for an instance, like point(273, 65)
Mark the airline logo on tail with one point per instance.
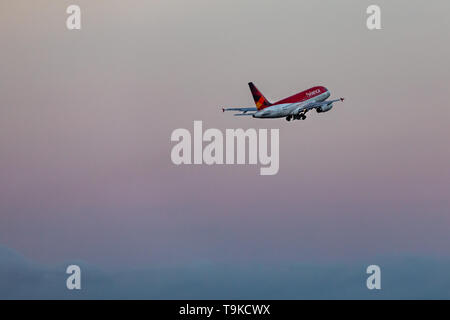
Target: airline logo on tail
point(260, 101)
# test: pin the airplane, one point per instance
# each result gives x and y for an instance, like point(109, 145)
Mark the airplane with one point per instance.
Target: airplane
point(292, 108)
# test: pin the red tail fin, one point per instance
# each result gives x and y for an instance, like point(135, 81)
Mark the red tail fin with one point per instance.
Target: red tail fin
point(260, 101)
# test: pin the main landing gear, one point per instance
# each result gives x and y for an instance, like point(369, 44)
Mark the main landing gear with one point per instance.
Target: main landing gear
point(296, 117)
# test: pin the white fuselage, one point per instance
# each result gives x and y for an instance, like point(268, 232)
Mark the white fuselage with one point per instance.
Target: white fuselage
point(286, 109)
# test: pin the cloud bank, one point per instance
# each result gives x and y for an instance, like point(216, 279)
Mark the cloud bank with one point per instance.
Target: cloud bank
point(406, 278)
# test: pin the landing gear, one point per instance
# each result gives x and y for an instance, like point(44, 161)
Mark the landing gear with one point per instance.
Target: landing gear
point(301, 116)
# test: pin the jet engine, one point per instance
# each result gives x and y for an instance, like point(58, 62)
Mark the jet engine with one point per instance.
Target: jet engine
point(324, 108)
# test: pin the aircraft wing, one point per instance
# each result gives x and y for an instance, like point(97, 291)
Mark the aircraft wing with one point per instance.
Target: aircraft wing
point(313, 105)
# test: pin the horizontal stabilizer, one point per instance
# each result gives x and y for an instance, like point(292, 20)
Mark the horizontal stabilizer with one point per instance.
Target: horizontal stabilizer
point(242, 109)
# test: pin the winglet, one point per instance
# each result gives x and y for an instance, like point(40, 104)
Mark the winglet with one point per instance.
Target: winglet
point(342, 99)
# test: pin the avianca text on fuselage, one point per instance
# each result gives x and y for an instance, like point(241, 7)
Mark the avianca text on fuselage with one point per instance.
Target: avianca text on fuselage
point(292, 108)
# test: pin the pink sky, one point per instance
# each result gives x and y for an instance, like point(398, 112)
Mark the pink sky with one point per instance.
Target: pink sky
point(86, 118)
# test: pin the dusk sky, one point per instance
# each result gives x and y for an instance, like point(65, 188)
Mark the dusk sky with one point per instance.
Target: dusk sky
point(86, 118)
